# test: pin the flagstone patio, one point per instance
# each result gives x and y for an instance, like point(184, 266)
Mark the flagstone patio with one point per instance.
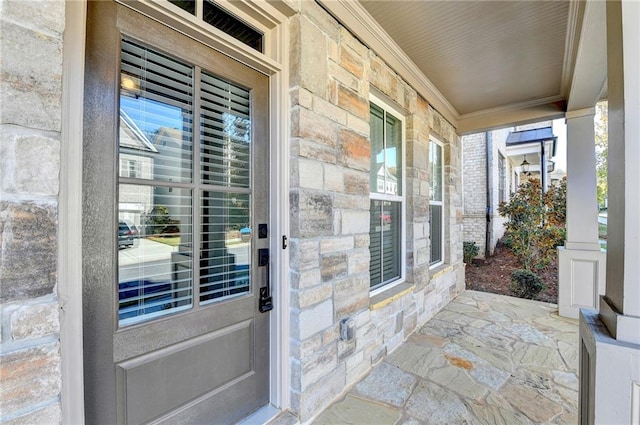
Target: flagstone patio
point(485, 358)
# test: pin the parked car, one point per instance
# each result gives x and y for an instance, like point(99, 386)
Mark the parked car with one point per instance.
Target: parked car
point(126, 234)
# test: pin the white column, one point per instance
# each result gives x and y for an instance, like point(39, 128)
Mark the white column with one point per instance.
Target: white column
point(581, 261)
point(610, 341)
point(621, 306)
point(582, 200)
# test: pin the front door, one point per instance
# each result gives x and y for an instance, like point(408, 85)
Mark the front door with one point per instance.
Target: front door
point(175, 190)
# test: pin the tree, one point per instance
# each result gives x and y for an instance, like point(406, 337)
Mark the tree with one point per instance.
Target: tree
point(156, 220)
point(601, 122)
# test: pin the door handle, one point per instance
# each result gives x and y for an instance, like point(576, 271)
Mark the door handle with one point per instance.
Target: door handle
point(265, 303)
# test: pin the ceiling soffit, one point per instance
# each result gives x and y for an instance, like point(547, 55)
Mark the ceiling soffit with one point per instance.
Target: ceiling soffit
point(481, 54)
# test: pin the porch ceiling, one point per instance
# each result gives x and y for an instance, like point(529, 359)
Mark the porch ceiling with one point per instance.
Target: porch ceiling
point(482, 54)
point(494, 63)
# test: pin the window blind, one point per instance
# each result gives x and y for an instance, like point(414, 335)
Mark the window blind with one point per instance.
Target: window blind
point(157, 96)
point(225, 147)
point(156, 265)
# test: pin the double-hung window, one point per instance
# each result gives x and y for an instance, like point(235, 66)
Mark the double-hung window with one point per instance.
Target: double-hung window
point(387, 196)
point(436, 203)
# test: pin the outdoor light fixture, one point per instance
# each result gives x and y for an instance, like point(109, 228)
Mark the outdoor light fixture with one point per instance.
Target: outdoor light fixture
point(525, 165)
point(130, 85)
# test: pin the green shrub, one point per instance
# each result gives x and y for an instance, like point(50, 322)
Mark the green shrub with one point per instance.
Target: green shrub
point(157, 221)
point(470, 251)
point(526, 284)
point(536, 223)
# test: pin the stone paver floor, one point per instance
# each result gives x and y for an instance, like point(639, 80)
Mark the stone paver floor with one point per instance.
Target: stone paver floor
point(484, 359)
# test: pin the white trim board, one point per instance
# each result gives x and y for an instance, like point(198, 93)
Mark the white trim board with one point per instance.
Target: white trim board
point(70, 214)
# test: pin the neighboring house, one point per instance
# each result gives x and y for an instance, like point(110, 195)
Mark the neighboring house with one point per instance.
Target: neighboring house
point(136, 162)
point(276, 117)
point(386, 182)
point(493, 170)
point(532, 149)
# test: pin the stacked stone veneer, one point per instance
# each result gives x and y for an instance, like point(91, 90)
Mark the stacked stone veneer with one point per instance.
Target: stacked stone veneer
point(331, 75)
point(30, 125)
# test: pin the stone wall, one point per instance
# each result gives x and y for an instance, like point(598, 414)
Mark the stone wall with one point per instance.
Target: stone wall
point(30, 125)
point(331, 78)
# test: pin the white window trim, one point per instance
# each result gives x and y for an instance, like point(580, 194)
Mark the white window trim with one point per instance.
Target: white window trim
point(442, 204)
point(379, 100)
point(272, 17)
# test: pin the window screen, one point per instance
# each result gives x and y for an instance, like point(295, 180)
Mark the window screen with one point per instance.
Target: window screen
point(502, 178)
point(436, 203)
point(386, 198)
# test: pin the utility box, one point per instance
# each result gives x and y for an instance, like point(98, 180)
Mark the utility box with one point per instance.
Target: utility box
point(347, 329)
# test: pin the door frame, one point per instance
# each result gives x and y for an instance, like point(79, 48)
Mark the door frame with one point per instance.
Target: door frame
point(272, 18)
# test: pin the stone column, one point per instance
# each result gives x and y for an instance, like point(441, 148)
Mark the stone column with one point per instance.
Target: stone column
point(581, 261)
point(610, 341)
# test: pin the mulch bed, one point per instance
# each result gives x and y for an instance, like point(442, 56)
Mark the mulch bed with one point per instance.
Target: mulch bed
point(494, 275)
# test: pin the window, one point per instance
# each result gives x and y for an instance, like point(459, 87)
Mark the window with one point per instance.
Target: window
point(502, 177)
point(129, 168)
point(179, 258)
point(214, 15)
point(436, 203)
point(387, 197)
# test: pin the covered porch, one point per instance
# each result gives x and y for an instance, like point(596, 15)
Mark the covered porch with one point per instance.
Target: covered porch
point(481, 74)
point(333, 78)
point(484, 358)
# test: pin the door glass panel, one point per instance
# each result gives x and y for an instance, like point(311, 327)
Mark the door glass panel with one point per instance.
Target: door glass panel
point(156, 259)
point(154, 252)
point(154, 220)
point(225, 259)
point(225, 147)
point(156, 112)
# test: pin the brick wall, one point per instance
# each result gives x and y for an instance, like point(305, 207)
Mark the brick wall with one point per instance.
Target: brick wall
point(30, 124)
point(475, 190)
point(331, 75)
point(475, 184)
point(499, 147)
